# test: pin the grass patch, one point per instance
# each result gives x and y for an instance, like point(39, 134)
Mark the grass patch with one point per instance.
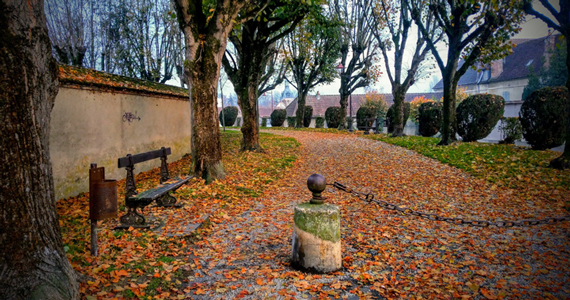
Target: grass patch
point(504, 165)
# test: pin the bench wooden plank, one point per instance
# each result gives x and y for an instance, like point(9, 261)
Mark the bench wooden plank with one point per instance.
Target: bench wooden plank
point(138, 158)
point(153, 194)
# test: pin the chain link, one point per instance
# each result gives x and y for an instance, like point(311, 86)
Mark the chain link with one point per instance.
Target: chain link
point(457, 221)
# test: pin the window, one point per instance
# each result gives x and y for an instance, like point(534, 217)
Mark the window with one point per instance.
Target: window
point(507, 96)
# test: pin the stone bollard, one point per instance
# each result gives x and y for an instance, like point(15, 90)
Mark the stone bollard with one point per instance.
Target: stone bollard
point(316, 232)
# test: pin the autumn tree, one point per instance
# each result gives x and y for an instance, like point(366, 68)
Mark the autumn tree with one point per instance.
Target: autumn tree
point(560, 22)
point(254, 66)
point(476, 32)
point(393, 24)
point(206, 26)
point(357, 46)
point(311, 51)
point(33, 263)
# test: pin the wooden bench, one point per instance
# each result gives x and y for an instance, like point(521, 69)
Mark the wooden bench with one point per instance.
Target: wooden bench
point(160, 194)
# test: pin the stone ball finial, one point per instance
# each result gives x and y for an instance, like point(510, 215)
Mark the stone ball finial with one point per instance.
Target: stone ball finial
point(317, 184)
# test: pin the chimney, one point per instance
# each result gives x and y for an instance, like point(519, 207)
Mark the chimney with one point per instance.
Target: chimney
point(496, 68)
point(318, 95)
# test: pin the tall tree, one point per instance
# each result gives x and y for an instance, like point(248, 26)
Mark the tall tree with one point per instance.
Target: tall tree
point(68, 22)
point(357, 47)
point(33, 263)
point(477, 31)
point(393, 23)
point(560, 22)
point(311, 51)
point(253, 68)
point(206, 26)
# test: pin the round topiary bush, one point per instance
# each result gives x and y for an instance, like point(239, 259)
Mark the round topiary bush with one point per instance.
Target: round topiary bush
point(390, 115)
point(477, 116)
point(319, 122)
point(278, 117)
point(430, 115)
point(364, 113)
point(543, 117)
point(307, 116)
point(229, 115)
point(291, 121)
point(333, 116)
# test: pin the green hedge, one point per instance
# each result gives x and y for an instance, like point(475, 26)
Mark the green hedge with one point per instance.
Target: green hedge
point(278, 117)
point(229, 114)
point(333, 116)
point(363, 113)
point(477, 116)
point(319, 122)
point(291, 121)
point(430, 115)
point(543, 117)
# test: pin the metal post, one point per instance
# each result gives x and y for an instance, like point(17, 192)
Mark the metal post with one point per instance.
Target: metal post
point(350, 122)
point(94, 237)
point(93, 225)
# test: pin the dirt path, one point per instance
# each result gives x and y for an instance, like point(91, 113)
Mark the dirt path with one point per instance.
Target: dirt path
point(385, 254)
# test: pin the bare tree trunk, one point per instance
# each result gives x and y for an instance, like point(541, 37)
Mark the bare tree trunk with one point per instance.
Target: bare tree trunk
point(448, 130)
point(563, 162)
point(33, 264)
point(247, 99)
point(399, 96)
point(206, 144)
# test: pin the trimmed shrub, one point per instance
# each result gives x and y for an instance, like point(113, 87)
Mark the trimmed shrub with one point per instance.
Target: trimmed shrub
point(263, 122)
point(511, 130)
point(238, 122)
point(319, 122)
point(477, 116)
point(333, 116)
point(391, 117)
point(362, 114)
point(543, 117)
point(278, 117)
point(230, 114)
point(291, 121)
point(307, 116)
point(430, 115)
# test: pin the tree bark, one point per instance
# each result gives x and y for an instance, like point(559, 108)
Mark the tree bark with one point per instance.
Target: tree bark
point(300, 113)
point(563, 161)
point(448, 130)
point(399, 96)
point(247, 100)
point(33, 264)
point(206, 143)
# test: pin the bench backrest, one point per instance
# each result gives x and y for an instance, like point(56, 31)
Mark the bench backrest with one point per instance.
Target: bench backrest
point(130, 160)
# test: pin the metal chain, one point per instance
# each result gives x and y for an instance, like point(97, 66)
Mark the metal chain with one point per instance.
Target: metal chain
point(457, 221)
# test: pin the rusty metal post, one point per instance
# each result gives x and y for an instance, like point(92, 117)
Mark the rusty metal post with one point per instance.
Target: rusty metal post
point(102, 201)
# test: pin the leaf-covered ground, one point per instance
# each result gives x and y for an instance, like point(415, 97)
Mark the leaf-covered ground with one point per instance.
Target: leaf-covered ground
point(244, 251)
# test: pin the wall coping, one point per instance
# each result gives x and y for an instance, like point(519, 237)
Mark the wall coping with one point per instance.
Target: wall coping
point(89, 79)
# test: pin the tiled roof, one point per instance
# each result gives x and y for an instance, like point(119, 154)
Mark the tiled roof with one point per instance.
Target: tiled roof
point(75, 76)
point(514, 66)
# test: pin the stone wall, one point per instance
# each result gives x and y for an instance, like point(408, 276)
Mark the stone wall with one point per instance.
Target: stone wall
point(99, 125)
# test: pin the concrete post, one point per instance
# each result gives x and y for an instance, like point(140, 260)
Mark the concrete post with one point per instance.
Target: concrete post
point(316, 232)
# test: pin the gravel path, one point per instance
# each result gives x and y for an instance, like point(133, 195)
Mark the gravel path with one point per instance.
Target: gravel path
point(386, 255)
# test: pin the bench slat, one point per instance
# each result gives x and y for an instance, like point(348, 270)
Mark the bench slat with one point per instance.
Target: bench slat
point(153, 194)
point(137, 158)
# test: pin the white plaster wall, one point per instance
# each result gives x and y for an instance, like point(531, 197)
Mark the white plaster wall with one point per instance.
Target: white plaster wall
point(87, 126)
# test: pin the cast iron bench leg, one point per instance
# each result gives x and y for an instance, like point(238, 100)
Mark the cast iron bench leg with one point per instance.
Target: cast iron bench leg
point(132, 217)
point(166, 201)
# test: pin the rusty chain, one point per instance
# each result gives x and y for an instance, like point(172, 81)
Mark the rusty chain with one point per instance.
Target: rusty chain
point(457, 221)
